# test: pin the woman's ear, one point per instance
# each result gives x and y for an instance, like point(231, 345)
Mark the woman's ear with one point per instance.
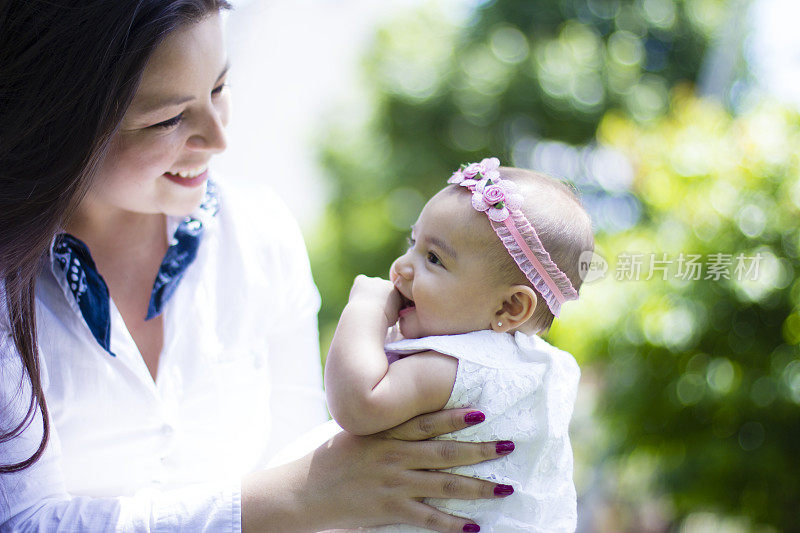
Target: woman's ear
point(519, 303)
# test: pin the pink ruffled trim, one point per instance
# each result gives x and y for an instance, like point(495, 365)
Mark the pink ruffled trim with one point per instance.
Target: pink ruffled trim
point(534, 261)
point(515, 231)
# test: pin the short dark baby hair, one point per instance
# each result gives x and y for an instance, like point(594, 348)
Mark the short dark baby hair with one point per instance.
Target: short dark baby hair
point(563, 226)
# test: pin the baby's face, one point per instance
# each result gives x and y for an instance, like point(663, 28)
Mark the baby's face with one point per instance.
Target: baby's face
point(444, 275)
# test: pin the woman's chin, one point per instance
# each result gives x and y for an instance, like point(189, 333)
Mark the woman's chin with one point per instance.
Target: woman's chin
point(184, 203)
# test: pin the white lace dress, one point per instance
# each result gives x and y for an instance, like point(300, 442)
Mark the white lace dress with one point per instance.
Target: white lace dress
point(526, 388)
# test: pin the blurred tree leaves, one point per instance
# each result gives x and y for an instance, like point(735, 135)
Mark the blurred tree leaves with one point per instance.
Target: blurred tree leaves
point(447, 86)
point(698, 381)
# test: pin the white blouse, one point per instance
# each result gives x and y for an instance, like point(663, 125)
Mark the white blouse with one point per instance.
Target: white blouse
point(240, 360)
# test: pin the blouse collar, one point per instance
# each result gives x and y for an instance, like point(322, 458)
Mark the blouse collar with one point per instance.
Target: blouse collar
point(85, 288)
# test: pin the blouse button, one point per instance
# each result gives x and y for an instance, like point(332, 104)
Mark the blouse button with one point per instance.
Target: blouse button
point(167, 430)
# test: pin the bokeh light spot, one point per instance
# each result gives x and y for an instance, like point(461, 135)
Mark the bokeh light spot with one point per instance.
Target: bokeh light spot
point(791, 329)
point(659, 12)
point(690, 389)
point(721, 375)
point(625, 48)
point(508, 44)
point(791, 378)
point(751, 220)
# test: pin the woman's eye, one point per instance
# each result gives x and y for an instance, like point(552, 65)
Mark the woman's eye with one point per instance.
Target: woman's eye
point(174, 121)
point(218, 89)
point(433, 259)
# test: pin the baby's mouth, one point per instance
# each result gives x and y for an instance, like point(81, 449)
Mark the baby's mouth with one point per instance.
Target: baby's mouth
point(406, 306)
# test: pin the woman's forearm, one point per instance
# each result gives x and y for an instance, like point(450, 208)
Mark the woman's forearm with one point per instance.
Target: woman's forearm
point(271, 502)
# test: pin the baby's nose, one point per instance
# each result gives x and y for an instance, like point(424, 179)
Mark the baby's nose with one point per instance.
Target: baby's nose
point(401, 267)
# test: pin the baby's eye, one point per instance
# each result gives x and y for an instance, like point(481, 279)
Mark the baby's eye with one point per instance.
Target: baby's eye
point(433, 259)
point(410, 242)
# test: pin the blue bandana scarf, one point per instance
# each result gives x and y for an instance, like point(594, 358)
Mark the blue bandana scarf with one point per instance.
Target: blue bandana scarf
point(73, 261)
point(72, 258)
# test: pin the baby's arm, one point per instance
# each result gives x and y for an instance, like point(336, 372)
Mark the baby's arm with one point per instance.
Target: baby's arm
point(366, 394)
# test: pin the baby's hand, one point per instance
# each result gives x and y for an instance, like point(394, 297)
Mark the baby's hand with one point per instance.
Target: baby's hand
point(379, 292)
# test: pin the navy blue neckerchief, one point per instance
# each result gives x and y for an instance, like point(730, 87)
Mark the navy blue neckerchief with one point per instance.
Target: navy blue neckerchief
point(72, 260)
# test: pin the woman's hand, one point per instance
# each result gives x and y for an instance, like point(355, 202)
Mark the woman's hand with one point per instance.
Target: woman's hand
point(353, 481)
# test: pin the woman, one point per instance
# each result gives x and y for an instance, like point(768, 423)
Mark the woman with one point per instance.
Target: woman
point(149, 404)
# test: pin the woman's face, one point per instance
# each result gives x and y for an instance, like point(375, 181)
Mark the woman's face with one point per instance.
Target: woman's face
point(174, 125)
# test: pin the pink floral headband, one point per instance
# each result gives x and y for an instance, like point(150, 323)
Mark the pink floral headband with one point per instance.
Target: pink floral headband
point(499, 199)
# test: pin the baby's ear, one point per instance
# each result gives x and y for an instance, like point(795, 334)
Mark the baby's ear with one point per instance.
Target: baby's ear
point(519, 303)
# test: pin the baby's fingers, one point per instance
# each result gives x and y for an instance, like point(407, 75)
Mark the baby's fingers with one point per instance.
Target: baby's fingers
point(442, 485)
point(432, 518)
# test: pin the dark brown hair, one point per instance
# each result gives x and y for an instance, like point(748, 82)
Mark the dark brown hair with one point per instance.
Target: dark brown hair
point(68, 72)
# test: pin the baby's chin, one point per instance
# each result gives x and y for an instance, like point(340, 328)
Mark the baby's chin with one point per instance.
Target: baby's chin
point(412, 331)
point(406, 331)
point(409, 329)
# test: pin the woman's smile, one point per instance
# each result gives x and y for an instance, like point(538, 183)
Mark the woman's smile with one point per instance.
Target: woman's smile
point(158, 165)
point(190, 178)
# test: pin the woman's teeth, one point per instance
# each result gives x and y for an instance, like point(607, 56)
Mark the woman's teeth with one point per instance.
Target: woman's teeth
point(193, 173)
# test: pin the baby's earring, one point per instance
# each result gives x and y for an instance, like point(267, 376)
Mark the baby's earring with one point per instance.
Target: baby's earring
point(499, 324)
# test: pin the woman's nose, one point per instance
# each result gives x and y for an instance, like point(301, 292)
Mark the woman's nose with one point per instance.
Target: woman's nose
point(210, 135)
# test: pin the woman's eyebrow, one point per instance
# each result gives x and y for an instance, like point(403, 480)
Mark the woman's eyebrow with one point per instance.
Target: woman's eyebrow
point(177, 100)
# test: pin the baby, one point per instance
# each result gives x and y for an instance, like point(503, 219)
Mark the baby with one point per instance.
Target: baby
point(491, 259)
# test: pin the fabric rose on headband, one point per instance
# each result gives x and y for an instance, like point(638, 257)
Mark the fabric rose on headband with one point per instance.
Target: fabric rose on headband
point(475, 173)
point(496, 197)
point(501, 202)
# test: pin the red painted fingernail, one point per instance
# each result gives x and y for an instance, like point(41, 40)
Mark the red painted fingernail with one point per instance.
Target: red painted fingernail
point(504, 447)
point(472, 528)
point(503, 490)
point(474, 417)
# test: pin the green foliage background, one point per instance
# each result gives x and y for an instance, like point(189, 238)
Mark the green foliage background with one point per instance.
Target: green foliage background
point(701, 379)
point(697, 382)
